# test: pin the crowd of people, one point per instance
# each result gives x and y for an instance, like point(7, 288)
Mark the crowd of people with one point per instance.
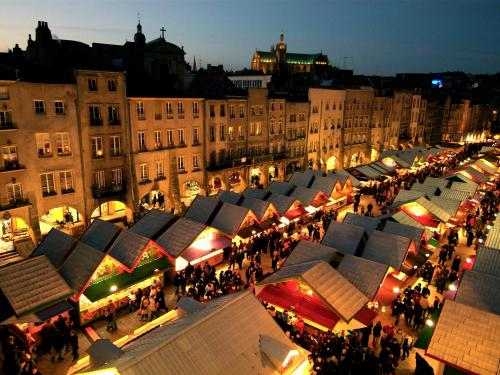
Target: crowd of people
point(20, 351)
point(350, 352)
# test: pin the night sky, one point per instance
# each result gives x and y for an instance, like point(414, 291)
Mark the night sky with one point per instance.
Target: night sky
point(369, 36)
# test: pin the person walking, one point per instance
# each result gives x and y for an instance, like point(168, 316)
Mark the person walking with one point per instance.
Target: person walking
point(442, 256)
point(377, 332)
point(470, 238)
point(455, 266)
point(143, 310)
point(407, 345)
point(73, 340)
point(58, 346)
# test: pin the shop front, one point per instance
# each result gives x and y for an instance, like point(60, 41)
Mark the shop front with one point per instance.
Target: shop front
point(188, 241)
point(65, 218)
point(111, 281)
point(13, 229)
point(191, 190)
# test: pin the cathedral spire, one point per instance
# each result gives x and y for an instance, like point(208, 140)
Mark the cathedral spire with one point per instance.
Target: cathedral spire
point(194, 64)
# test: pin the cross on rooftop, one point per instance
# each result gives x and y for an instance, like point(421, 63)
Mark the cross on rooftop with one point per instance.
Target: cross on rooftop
point(163, 32)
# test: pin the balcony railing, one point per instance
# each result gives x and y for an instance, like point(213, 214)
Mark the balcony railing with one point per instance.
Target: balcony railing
point(109, 190)
point(95, 121)
point(142, 148)
point(196, 143)
point(11, 165)
point(182, 144)
point(49, 193)
point(114, 121)
point(231, 163)
point(44, 154)
point(11, 203)
point(160, 177)
point(9, 125)
point(143, 181)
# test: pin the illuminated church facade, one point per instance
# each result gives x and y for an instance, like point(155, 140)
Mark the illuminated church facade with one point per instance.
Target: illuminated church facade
point(278, 59)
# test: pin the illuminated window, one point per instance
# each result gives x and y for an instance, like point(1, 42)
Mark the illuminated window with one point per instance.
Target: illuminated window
point(48, 185)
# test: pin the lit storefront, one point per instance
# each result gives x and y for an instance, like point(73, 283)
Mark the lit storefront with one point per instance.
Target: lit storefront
point(188, 241)
point(64, 218)
point(12, 229)
point(307, 293)
point(191, 190)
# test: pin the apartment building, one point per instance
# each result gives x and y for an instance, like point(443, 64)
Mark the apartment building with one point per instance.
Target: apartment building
point(326, 121)
point(357, 119)
point(41, 186)
point(166, 151)
point(381, 137)
point(105, 144)
point(296, 127)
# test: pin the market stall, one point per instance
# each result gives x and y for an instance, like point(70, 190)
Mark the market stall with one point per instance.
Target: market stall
point(368, 223)
point(188, 241)
point(288, 208)
point(32, 291)
point(280, 187)
point(229, 197)
point(344, 237)
point(318, 294)
point(153, 224)
point(132, 262)
point(333, 188)
point(303, 179)
point(237, 223)
point(266, 213)
point(203, 209)
point(366, 275)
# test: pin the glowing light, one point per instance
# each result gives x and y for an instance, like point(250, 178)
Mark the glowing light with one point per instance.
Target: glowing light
point(452, 287)
point(309, 292)
point(488, 226)
point(414, 267)
point(481, 240)
point(427, 255)
point(289, 357)
point(113, 288)
point(94, 277)
point(429, 323)
point(156, 270)
point(469, 260)
point(396, 290)
point(418, 210)
point(253, 232)
point(202, 244)
point(383, 309)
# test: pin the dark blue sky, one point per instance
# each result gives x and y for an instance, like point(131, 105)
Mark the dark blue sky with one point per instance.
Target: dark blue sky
point(384, 36)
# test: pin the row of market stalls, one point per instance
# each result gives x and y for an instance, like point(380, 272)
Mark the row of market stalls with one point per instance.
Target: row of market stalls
point(439, 203)
point(466, 335)
point(241, 215)
point(65, 275)
point(342, 283)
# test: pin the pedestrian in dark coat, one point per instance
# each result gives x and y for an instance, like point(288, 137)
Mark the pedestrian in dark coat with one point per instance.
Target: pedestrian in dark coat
point(73, 339)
